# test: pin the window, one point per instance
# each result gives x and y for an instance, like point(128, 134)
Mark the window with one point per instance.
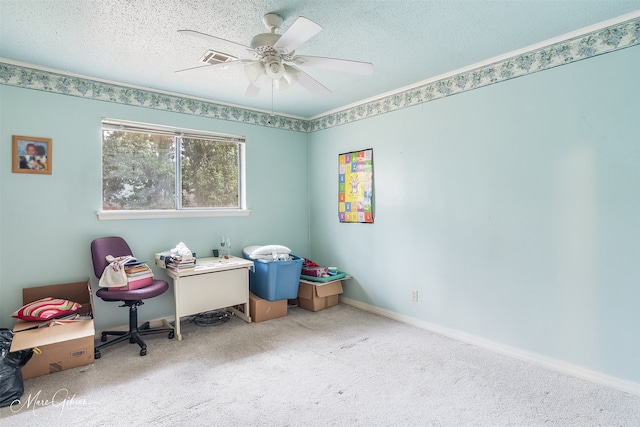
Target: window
point(166, 170)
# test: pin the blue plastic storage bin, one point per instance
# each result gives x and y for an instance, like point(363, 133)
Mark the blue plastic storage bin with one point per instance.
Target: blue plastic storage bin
point(275, 280)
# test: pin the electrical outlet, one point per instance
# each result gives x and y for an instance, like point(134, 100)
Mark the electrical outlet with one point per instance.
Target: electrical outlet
point(414, 295)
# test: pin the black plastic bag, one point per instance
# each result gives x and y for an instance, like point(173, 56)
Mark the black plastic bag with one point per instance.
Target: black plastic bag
point(11, 384)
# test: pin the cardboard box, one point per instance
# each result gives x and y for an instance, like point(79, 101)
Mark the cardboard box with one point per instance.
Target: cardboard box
point(262, 310)
point(316, 296)
point(63, 345)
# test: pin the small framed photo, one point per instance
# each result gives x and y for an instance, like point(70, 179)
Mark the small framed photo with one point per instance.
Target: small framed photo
point(31, 155)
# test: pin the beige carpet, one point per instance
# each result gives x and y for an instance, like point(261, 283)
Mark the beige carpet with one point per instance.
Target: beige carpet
point(337, 367)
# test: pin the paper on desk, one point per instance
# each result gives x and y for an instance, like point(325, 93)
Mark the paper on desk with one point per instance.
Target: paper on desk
point(215, 265)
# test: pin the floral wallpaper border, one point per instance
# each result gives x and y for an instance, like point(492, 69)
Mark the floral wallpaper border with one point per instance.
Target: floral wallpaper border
point(609, 39)
point(606, 40)
point(47, 81)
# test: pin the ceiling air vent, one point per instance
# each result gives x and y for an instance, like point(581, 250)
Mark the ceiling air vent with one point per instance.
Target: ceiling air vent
point(212, 57)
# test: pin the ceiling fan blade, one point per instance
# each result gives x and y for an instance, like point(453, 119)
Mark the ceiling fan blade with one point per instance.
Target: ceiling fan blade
point(299, 32)
point(194, 68)
point(208, 37)
point(356, 67)
point(252, 91)
point(221, 65)
point(308, 82)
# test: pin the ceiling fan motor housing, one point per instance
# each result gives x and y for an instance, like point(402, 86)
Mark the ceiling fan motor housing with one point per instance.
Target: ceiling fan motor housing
point(264, 41)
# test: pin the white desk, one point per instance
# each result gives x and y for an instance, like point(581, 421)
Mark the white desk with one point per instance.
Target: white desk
point(214, 283)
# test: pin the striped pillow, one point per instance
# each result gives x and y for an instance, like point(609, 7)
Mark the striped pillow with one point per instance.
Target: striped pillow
point(46, 308)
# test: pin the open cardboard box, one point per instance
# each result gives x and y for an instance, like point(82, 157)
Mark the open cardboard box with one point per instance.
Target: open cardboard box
point(316, 296)
point(62, 345)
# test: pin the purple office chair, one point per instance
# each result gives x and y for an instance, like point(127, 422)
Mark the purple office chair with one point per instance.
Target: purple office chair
point(116, 246)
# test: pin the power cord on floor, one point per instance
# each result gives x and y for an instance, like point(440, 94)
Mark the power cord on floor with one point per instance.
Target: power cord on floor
point(210, 318)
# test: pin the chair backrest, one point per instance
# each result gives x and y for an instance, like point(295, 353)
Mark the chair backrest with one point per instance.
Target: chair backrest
point(100, 248)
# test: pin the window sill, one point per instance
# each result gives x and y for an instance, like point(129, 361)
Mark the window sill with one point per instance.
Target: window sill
point(158, 214)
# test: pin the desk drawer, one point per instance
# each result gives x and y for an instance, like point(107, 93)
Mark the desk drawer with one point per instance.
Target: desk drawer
point(205, 292)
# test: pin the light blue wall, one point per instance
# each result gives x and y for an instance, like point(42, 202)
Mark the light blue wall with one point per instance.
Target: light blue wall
point(48, 221)
point(513, 209)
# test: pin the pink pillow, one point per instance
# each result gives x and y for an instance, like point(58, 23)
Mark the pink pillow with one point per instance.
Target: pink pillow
point(45, 309)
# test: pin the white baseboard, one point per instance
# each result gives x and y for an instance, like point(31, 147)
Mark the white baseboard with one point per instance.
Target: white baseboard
point(554, 364)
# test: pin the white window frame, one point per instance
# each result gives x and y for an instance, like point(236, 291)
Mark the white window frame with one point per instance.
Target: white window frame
point(179, 212)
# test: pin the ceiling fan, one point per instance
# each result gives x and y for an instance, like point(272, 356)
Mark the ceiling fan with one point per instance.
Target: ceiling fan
point(274, 63)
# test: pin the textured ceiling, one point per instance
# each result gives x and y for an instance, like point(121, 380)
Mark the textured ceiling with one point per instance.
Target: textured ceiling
point(137, 43)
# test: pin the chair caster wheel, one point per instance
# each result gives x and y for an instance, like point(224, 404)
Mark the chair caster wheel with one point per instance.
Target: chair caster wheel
point(96, 355)
point(171, 335)
point(103, 338)
point(143, 352)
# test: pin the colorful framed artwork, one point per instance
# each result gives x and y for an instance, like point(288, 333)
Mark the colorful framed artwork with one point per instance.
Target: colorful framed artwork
point(31, 155)
point(355, 186)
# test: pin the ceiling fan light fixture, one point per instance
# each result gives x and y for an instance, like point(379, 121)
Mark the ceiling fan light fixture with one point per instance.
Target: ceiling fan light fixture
point(282, 83)
point(273, 67)
point(255, 72)
point(263, 82)
point(288, 79)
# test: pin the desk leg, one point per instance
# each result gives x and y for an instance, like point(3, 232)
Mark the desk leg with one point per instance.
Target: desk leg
point(176, 298)
point(240, 314)
point(177, 328)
